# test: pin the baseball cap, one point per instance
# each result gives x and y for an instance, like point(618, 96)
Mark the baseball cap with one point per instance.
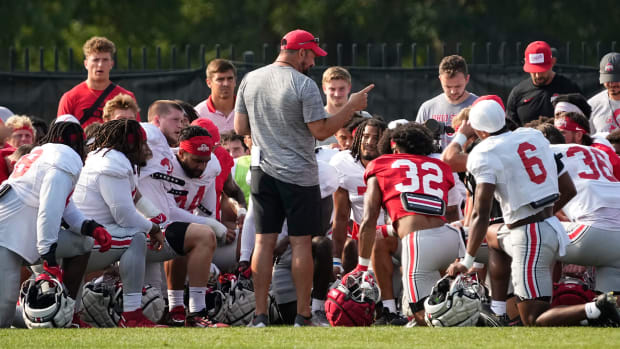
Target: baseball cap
point(67, 118)
point(496, 98)
point(300, 39)
point(488, 116)
point(610, 67)
point(537, 57)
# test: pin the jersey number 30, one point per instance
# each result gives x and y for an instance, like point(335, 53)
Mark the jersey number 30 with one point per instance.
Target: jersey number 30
point(412, 174)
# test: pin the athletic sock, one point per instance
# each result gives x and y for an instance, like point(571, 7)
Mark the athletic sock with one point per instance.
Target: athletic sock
point(131, 301)
point(175, 299)
point(317, 304)
point(390, 304)
point(498, 307)
point(592, 312)
point(197, 299)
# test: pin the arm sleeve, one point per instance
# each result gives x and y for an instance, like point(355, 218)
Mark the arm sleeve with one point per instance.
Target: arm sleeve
point(116, 192)
point(313, 109)
point(56, 186)
point(74, 217)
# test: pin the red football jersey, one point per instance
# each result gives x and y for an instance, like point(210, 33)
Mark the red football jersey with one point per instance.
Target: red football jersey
point(407, 173)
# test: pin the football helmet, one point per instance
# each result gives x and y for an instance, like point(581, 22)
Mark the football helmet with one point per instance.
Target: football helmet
point(352, 302)
point(454, 302)
point(46, 303)
point(240, 305)
point(98, 303)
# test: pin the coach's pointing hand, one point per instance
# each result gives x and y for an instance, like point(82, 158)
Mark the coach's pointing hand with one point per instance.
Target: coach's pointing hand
point(359, 100)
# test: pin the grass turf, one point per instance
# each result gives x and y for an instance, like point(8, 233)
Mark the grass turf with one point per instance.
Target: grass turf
point(323, 338)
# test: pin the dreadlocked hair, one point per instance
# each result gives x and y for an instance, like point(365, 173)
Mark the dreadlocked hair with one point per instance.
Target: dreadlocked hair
point(193, 131)
point(121, 135)
point(356, 147)
point(411, 138)
point(67, 133)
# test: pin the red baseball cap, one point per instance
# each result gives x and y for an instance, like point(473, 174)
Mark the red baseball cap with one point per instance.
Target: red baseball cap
point(537, 57)
point(300, 39)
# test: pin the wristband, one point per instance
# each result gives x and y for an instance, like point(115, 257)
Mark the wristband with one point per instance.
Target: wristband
point(337, 263)
point(460, 139)
point(364, 262)
point(468, 261)
point(241, 211)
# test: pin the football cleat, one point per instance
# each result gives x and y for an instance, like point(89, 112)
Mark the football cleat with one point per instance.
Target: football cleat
point(176, 317)
point(201, 319)
point(609, 317)
point(136, 319)
point(389, 318)
point(78, 322)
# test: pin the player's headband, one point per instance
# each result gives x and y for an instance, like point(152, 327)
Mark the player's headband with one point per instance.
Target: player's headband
point(199, 145)
point(565, 123)
point(25, 128)
point(130, 137)
point(567, 107)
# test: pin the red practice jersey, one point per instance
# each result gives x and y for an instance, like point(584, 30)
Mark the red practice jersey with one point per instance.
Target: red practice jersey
point(407, 173)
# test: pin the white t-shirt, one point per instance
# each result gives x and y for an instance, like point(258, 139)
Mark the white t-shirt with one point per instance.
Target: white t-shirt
point(605, 113)
point(440, 109)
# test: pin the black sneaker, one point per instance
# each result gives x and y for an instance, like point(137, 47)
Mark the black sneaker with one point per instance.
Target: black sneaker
point(389, 318)
point(301, 321)
point(259, 321)
point(606, 303)
point(489, 319)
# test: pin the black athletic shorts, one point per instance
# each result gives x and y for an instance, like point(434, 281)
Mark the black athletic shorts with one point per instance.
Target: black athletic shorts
point(274, 200)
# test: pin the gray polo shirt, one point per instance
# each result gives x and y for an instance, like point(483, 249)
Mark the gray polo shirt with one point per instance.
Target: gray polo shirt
point(279, 102)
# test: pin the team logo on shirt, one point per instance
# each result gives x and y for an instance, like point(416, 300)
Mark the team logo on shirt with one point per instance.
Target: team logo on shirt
point(609, 67)
point(203, 148)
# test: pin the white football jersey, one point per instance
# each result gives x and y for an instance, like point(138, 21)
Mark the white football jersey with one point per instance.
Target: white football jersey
point(197, 193)
point(592, 174)
point(31, 213)
point(30, 170)
point(351, 178)
point(521, 165)
point(106, 188)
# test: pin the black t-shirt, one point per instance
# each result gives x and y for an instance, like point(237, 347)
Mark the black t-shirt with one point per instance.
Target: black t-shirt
point(528, 102)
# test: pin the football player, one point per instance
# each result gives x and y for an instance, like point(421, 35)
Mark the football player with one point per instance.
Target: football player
point(349, 202)
point(520, 169)
point(413, 188)
point(33, 202)
point(105, 191)
point(593, 212)
point(190, 246)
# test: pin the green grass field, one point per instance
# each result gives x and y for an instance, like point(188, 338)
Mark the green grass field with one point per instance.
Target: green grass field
point(324, 338)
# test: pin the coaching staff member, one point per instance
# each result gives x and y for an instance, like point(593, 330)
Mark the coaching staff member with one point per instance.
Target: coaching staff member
point(284, 111)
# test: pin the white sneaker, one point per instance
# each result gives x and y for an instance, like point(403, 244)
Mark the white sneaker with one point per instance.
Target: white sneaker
point(411, 323)
point(320, 319)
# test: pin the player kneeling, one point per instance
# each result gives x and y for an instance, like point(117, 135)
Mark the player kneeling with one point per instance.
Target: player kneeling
point(413, 188)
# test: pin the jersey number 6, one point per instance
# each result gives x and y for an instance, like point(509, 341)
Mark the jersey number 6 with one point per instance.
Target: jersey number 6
point(530, 162)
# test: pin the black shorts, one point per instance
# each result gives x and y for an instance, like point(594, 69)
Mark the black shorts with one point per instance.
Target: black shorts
point(175, 236)
point(274, 200)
